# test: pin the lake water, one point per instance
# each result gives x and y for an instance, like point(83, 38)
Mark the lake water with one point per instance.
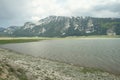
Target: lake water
point(100, 53)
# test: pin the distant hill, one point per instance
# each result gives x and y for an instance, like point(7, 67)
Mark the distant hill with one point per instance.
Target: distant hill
point(61, 26)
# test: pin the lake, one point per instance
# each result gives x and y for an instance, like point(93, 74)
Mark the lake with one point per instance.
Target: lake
point(103, 53)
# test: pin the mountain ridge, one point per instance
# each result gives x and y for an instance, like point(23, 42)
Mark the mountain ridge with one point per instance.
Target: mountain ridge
point(62, 26)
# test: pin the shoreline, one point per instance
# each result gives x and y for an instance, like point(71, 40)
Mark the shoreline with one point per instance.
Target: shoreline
point(76, 65)
point(12, 40)
point(39, 68)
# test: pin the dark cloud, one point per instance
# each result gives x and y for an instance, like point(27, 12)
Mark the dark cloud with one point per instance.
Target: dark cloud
point(114, 7)
point(100, 10)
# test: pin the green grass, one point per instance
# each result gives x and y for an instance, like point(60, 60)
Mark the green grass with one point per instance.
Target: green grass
point(95, 36)
point(6, 41)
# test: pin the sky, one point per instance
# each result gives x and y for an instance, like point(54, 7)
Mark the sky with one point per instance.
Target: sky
point(17, 12)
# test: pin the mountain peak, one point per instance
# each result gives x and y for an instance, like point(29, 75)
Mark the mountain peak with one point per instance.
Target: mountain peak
point(53, 26)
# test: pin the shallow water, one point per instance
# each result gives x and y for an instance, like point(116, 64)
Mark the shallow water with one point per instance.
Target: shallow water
point(100, 53)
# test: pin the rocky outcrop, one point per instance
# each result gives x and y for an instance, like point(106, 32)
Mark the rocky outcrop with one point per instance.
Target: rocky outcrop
point(11, 71)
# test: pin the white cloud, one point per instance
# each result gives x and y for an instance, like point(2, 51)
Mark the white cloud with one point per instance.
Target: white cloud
point(25, 10)
point(42, 8)
point(35, 18)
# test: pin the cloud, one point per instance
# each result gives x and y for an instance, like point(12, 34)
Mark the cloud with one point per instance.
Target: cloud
point(114, 7)
point(16, 12)
point(96, 8)
point(35, 18)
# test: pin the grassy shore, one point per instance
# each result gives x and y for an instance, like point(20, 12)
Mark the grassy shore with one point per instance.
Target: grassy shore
point(95, 36)
point(6, 40)
point(18, 41)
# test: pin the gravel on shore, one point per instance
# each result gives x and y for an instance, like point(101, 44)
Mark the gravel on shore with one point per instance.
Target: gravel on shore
point(26, 67)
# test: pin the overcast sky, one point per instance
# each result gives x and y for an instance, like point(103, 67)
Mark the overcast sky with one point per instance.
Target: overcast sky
point(16, 12)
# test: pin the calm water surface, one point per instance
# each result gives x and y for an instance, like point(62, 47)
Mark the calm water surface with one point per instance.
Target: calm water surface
point(100, 53)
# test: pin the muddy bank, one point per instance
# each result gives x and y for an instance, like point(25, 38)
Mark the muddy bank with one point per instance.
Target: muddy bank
point(35, 68)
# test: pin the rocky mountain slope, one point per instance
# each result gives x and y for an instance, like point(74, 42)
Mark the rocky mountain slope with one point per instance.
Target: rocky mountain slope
point(61, 26)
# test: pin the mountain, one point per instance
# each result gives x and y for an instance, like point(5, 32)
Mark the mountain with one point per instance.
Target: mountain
point(2, 29)
point(61, 26)
point(11, 29)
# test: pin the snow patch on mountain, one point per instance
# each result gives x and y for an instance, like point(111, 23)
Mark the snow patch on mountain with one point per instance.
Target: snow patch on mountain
point(29, 25)
point(43, 30)
point(67, 24)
